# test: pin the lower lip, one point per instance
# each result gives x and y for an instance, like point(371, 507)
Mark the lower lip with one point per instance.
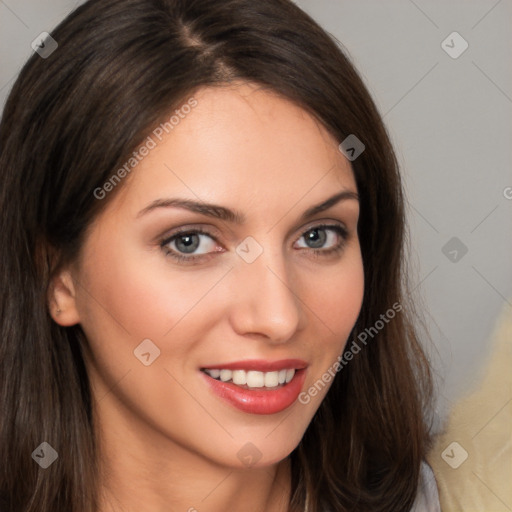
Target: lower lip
point(256, 400)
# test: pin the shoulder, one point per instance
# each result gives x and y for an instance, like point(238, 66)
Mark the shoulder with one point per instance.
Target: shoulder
point(427, 498)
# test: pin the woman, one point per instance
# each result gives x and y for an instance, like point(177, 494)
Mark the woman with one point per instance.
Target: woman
point(205, 303)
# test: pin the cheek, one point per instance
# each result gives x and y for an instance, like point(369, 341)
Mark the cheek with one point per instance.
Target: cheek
point(336, 305)
point(141, 294)
point(340, 295)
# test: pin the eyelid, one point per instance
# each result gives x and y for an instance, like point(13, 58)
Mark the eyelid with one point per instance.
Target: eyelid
point(167, 239)
point(206, 229)
point(214, 233)
point(323, 222)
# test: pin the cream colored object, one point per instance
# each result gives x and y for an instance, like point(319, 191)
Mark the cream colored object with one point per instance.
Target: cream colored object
point(472, 458)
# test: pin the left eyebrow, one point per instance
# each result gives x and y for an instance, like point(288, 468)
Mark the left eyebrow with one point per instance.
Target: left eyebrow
point(235, 216)
point(325, 205)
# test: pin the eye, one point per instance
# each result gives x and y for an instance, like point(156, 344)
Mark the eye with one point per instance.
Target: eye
point(186, 242)
point(183, 244)
point(332, 235)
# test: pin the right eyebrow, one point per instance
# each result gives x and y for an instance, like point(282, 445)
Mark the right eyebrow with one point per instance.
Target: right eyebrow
point(210, 210)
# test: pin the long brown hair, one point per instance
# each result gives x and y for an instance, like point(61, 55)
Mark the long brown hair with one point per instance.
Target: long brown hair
point(71, 120)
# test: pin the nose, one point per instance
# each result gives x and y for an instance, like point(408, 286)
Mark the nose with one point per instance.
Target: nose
point(266, 301)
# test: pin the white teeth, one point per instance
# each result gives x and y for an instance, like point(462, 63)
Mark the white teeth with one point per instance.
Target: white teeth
point(214, 373)
point(271, 379)
point(253, 379)
point(225, 375)
point(239, 377)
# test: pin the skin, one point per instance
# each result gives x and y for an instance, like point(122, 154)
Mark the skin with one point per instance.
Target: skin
point(167, 442)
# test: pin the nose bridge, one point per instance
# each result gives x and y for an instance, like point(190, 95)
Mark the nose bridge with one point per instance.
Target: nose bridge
point(266, 300)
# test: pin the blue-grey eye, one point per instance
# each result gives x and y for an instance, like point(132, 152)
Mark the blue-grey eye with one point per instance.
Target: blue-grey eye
point(317, 237)
point(189, 242)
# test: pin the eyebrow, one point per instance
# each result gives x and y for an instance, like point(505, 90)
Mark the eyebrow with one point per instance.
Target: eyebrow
point(235, 216)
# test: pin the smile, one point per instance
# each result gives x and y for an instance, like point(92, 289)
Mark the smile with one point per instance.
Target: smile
point(253, 379)
point(270, 389)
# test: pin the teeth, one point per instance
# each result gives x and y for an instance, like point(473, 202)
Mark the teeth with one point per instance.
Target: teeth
point(253, 379)
point(214, 373)
point(239, 377)
point(271, 379)
point(225, 375)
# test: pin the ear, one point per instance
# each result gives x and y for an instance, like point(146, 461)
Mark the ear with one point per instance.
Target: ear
point(62, 299)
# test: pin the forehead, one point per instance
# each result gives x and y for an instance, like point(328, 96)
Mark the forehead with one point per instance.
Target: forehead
point(238, 143)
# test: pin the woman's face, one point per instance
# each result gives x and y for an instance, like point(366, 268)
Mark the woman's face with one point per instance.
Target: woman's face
point(272, 286)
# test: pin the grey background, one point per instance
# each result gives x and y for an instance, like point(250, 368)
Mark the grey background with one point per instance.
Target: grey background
point(451, 124)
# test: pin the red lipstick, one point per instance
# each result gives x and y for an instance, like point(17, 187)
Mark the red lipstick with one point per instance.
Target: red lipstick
point(259, 400)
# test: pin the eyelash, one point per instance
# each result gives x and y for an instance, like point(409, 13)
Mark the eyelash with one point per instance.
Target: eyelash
point(340, 230)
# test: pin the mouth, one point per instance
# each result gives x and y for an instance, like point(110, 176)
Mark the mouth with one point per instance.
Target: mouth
point(252, 379)
point(257, 387)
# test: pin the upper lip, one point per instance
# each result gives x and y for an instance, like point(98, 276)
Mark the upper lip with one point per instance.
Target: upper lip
point(260, 365)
